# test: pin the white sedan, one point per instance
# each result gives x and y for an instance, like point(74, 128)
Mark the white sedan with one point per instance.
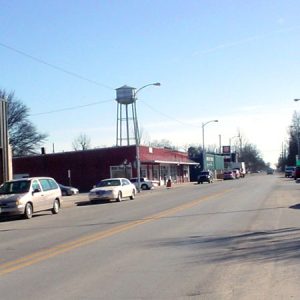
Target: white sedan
point(113, 189)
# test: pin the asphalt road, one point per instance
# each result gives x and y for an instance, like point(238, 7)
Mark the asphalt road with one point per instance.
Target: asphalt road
point(227, 240)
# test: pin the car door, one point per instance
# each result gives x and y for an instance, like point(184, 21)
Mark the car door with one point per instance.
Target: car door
point(126, 186)
point(47, 201)
point(37, 195)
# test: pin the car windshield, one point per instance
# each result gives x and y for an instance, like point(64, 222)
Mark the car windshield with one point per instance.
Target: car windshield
point(113, 182)
point(204, 173)
point(15, 187)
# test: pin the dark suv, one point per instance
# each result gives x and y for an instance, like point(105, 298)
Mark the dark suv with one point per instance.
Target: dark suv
point(205, 176)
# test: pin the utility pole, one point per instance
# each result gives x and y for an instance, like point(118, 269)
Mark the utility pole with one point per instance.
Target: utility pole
point(4, 146)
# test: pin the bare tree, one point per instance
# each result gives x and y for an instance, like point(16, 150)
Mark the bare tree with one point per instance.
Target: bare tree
point(23, 136)
point(163, 143)
point(144, 137)
point(82, 142)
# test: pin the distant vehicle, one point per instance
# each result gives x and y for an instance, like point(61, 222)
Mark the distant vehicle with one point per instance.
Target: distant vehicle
point(205, 176)
point(289, 171)
point(228, 175)
point(68, 190)
point(270, 171)
point(113, 189)
point(29, 195)
point(239, 166)
point(145, 183)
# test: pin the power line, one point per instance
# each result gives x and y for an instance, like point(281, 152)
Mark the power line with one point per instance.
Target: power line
point(169, 117)
point(78, 76)
point(70, 108)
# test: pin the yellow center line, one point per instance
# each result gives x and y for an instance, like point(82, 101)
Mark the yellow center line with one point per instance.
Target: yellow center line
point(56, 250)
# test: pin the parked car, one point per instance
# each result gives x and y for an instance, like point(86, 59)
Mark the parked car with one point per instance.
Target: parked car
point(113, 189)
point(228, 175)
point(145, 183)
point(297, 173)
point(289, 171)
point(205, 176)
point(29, 195)
point(68, 190)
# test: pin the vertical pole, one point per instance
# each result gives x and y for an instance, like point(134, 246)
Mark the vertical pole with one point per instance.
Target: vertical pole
point(69, 177)
point(298, 138)
point(4, 140)
point(121, 126)
point(203, 150)
point(127, 125)
point(117, 143)
point(137, 145)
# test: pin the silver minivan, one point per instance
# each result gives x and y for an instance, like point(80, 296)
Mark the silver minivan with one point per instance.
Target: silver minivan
point(28, 195)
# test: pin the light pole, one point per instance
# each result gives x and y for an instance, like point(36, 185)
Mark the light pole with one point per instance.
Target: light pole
point(203, 150)
point(236, 136)
point(5, 165)
point(137, 136)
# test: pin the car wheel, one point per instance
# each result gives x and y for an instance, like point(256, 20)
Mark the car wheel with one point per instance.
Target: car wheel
point(144, 187)
point(56, 207)
point(132, 195)
point(28, 211)
point(119, 198)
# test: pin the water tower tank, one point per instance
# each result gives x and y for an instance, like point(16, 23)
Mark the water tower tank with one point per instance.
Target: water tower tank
point(125, 95)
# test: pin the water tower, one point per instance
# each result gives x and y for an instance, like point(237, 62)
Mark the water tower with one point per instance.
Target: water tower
point(127, 123)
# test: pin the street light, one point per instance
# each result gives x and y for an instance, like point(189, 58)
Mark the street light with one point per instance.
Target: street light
point(203, 150)
point(137, 136)
point(203, 125)
point(236, 136)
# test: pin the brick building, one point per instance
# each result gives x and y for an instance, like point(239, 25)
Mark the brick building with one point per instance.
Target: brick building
point(83, 169)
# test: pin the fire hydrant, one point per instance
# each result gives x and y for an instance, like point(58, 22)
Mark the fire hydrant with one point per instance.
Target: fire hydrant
point(169, 183)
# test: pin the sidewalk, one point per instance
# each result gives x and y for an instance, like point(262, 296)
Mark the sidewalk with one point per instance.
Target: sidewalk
point(83, 198)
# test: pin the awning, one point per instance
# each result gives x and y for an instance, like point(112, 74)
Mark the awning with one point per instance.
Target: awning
point(175, 162)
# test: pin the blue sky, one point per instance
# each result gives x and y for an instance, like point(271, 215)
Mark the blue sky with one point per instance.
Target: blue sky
point(235, 61)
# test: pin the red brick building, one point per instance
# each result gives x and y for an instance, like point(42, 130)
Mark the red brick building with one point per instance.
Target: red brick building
point(83, 169)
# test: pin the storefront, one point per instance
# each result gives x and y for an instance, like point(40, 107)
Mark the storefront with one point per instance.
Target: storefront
point(83, 169)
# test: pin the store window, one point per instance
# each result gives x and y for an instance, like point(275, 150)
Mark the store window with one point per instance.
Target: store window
point(121, 171)
point(155, 172)
point(144, 171)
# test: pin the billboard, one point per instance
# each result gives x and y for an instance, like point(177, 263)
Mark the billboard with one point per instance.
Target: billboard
point(226, 149)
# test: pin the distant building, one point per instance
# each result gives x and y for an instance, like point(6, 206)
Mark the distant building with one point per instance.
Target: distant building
point(85, 168)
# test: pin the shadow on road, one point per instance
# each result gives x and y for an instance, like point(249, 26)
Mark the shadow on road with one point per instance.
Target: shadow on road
point(86, 203)
point(257, 246)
